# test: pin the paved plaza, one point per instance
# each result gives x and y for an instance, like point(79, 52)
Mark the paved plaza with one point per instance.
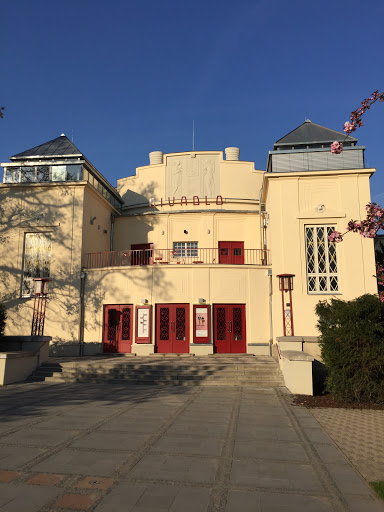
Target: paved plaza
point(119, 448)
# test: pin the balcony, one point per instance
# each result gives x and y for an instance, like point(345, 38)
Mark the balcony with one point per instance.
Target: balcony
point(198, 256)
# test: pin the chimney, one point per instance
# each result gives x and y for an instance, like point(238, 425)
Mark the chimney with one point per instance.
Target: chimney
point(232, 153)
point(156, 157)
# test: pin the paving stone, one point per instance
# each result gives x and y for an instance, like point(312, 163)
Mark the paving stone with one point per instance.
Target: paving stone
point(11, 457)
point(270, 421)
point(38, 437)
point(329, 454)
point(317, 435)
point(277, 475)
point(47, 479)
point(155, 497)
point(26, 498)
point(68, 422)
point(92, 482)
point(181, 427)
point(81, 462)
point(75, 502)
point(176, 468)
point(348, 481)
point(8, 476)
point(241, 501)
point(117, 441)
point(270, 450)
point(358, 504)
point(265, 432)
point(135, 425)
point(210, 447)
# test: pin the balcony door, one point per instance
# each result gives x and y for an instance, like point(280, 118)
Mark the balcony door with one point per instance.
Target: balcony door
point(142, 254)
point(229, 329)
point(172, 328)
point(231, 253)
point(118, 328)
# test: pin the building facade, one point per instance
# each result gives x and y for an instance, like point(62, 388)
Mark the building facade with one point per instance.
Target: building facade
point(184, 256)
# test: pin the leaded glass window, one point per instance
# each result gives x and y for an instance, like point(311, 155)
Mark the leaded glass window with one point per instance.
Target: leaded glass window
point(322, 276)
point(37, 259)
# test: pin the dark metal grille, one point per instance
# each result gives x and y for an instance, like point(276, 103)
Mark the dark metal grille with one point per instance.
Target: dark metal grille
point(111, 346)
point(164, 323)
point(180, 323)
point(220, 324)
point(237, 324)
point(126, 324)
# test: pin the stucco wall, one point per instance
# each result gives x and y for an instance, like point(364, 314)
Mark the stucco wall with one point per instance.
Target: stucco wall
point(183, 284)
point(292, 203)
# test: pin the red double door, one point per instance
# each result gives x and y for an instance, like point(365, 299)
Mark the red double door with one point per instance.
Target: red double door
point(229, 329)
point(172, 328)
point(118, 328)
point(231, 253)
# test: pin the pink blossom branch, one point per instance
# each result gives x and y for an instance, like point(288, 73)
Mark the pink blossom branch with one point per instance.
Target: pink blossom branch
point(355, 119)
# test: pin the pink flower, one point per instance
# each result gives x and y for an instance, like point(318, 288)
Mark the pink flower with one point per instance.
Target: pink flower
point(349, 127)
point(336, 147)
point(335, 237)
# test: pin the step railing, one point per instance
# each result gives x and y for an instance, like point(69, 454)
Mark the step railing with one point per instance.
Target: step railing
point(193, 256)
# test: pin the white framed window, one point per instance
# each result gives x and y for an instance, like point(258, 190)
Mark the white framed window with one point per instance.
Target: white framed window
point(37, 259)
point(322, 275)
point(185, 249)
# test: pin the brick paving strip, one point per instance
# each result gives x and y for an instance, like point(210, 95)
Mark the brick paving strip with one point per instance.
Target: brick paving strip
point(359, 433)
point(203, 449)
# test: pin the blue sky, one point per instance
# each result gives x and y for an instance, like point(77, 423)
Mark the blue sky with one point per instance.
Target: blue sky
point(124, 78)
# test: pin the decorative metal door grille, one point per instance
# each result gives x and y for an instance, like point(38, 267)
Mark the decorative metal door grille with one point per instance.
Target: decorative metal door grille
point(180, 323)
point(322, 274)
point(164, 323)
point(237, 324)
point(220, 324)
point(111, 346)
point(126, 324)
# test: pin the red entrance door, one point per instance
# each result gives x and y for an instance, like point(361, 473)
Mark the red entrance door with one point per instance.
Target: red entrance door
point(231, 253)
point(229, 329)
point(118, 328)
point(172, 328)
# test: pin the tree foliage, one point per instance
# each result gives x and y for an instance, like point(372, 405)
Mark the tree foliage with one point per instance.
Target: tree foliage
point(3, 317)
point(352, 347)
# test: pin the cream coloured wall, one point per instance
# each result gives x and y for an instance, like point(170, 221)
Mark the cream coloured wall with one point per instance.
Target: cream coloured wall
point(292, 201)
point(164, 229)
point(201, 174)
point(183, 284)
point(48, 208)
point(94, 237)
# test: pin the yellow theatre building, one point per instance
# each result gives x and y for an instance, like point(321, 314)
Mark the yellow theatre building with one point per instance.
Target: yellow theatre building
point(192, 253)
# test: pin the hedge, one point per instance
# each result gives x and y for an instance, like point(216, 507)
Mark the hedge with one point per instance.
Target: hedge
point(3, 317)
point(352, 348)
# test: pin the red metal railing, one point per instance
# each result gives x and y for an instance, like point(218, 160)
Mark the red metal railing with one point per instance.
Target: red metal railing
point(170, 257)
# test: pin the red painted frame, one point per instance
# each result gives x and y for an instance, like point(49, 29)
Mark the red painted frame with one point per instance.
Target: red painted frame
point(122, 346)
point(230, 258)
point(148, 338)
point(206, 339)
point(172, 346)
point(229, 345)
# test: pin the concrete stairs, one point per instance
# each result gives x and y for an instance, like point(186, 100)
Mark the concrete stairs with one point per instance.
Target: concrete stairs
point(171, 369)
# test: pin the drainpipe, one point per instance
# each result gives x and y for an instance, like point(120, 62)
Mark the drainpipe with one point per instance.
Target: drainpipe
point(270, 311)
point(83, 276)
point(111, 234)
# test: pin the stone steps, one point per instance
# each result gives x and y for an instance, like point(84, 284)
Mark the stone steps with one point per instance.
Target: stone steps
point(227, 370)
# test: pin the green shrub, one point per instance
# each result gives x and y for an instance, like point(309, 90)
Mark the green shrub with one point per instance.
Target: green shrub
point(352, 348)
point(3, 317)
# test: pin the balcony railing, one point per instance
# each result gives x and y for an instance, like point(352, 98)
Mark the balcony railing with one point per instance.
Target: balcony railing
point(171, 257)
